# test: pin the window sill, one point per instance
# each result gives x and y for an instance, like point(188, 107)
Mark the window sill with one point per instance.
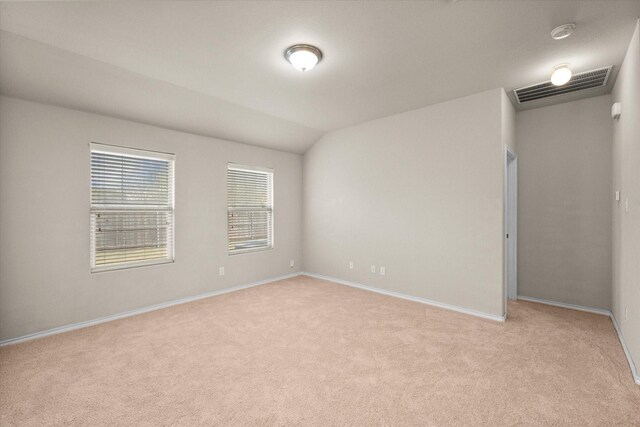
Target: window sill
point(129, 265)
point(249, 251)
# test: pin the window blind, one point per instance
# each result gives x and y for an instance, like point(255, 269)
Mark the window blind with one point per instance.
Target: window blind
point(250, 208)
point(132, 207)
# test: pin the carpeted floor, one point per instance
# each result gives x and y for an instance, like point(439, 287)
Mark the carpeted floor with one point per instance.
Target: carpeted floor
point(305, 351)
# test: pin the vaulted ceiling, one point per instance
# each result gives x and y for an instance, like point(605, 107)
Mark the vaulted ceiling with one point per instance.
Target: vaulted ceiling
point(217, 68)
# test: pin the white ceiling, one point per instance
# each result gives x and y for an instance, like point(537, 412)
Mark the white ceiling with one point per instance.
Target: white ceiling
point(217, 68)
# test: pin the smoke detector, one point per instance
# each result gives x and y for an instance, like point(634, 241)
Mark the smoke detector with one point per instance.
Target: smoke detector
point(563, 31)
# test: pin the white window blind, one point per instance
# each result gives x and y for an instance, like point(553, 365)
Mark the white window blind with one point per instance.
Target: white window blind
point(250, 208)
point(132, 207)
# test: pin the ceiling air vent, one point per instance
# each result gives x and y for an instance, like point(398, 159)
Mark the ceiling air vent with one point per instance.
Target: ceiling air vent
point(587, 80)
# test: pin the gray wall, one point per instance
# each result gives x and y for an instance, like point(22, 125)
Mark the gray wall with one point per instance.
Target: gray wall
point(564, 192)
point(626, 178)
point(45, 279)
point(420, 193)
point(508, 123)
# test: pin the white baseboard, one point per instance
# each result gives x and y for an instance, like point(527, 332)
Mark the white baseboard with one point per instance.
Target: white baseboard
point(408, 297)
point(632, 365)
point(79, 325)
point(601, 311)
point(88, 323)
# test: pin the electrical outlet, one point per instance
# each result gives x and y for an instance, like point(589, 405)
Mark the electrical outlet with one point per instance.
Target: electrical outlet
point(617, 196)
point(291, 264)
point(383, 271)
point(350, 265)
point(221, 271)
point(373, 269)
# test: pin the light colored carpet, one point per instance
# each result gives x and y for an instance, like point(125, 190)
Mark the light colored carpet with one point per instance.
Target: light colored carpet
point(305, 351)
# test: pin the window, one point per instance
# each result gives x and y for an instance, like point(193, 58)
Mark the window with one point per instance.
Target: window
point(132, 194)
point(249, 208)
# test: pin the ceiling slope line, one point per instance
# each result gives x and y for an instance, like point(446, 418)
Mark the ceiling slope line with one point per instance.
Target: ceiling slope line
point(311, 135)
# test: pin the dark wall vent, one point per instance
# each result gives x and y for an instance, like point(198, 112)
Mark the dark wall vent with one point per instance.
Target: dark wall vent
point(582, 81)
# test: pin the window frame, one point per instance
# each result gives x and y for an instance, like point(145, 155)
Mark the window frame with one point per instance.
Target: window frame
point(271, 226)
point(170, 208)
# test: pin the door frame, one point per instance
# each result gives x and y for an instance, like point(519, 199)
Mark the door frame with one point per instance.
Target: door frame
point(510, 226)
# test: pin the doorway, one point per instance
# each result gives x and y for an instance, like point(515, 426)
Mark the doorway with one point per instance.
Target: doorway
point(511, 224)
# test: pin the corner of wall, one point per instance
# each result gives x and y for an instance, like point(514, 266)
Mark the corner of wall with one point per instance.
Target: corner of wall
point(508, 121)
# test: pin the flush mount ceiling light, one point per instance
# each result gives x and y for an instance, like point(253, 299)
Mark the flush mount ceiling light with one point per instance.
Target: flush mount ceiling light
point(561, 74)
point(303, 57)
point(563, 31)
